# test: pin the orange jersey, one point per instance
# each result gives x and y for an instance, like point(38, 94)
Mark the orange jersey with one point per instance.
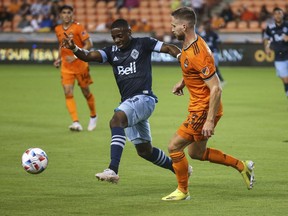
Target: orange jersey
point(198, 65)
point(79, 35)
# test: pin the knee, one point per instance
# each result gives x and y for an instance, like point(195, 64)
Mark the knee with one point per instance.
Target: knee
point(119, 119)
point(144, 152)
point(114, 122)
point(197, 155)
point(174, 147)
point(69, 96)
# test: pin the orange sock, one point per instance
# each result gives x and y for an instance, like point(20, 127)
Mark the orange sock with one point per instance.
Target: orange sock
point(71, 106)
point(91, 103)
point(180, 165)
point(217, 156)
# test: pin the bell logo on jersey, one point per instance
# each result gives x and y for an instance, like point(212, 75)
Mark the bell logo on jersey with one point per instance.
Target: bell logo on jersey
point(128, 70)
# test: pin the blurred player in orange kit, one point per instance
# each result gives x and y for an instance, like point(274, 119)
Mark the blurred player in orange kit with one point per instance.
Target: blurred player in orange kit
point(73, 68)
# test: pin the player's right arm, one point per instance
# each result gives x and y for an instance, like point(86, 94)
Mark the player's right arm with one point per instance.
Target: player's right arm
point(57, 62)
point(267, 48)
point(267, 41)
point(82, 54)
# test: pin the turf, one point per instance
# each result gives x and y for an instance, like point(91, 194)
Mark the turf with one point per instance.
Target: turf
point(33, 114)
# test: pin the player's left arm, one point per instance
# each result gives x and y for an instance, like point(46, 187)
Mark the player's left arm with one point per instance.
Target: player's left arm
point(214, 103)
point(178, 88)
point(171, 49)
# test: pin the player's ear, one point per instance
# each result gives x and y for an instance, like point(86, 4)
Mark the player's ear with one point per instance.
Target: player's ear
point(184, 27)
point(129, 32)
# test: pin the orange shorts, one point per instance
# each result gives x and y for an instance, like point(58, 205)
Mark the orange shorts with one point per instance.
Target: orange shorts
point(191, 128)
point(84, 79)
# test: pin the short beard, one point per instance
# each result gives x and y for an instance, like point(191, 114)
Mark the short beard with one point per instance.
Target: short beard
point(181, 37)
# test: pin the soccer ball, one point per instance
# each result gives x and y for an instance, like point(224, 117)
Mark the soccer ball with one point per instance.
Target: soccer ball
point(34, 160)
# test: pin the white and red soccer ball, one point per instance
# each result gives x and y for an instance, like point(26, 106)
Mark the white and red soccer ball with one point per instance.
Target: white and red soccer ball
point(34, 160)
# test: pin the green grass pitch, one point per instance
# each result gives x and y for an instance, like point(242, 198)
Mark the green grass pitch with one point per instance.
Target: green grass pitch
point(33, 114)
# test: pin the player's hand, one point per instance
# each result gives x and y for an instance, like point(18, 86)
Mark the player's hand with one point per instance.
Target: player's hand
point(178, 92)
point(208, 129)
point(268, 51)
point(178, 88)
point(68, 42)
point(57, 63)
point(285, 38)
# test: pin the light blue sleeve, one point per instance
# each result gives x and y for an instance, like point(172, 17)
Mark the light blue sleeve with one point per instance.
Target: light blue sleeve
point(104, 56)
point(158, 46)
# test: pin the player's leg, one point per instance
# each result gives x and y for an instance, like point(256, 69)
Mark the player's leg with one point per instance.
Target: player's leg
point(68, 87)
point(180, 165)
point(246, 168)
point(140, 136)
point(84, 80)
point(118, 140)
point(139, 132)
point(285, 82)
point(154, 155)
point(128, 114)
point(282, 73)
point(198, 150)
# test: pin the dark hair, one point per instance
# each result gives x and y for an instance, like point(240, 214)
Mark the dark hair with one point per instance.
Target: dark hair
point(187, 14)
point(65, 7)
point(277, 9)
point(120, 23)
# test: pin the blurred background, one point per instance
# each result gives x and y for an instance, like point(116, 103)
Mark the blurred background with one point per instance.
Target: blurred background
point(27, 26)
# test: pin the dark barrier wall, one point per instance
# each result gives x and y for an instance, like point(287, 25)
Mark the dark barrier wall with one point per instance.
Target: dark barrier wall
point(231, 54)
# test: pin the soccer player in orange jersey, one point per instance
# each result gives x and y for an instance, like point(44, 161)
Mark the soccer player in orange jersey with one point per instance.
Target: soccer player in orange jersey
point(205, 107)
point(73, 68)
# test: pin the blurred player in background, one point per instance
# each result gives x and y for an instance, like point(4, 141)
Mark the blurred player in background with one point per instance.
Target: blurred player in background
point(73, 69)
point(130, 59)
point(276, 38)
point(212, 39)
point(205, 107)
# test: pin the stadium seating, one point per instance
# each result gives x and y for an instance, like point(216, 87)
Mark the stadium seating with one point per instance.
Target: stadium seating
point(156, 13)
point(254, 6)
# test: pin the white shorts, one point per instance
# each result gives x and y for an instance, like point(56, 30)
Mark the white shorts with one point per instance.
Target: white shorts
point(281, 68)
point(138, 109)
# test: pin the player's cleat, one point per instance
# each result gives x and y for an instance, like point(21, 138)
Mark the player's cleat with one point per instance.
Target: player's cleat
point(190, 171)
point(177, 195)
point(76, 126)
point(92, 123)
point(248, 173)
point(108, 175)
